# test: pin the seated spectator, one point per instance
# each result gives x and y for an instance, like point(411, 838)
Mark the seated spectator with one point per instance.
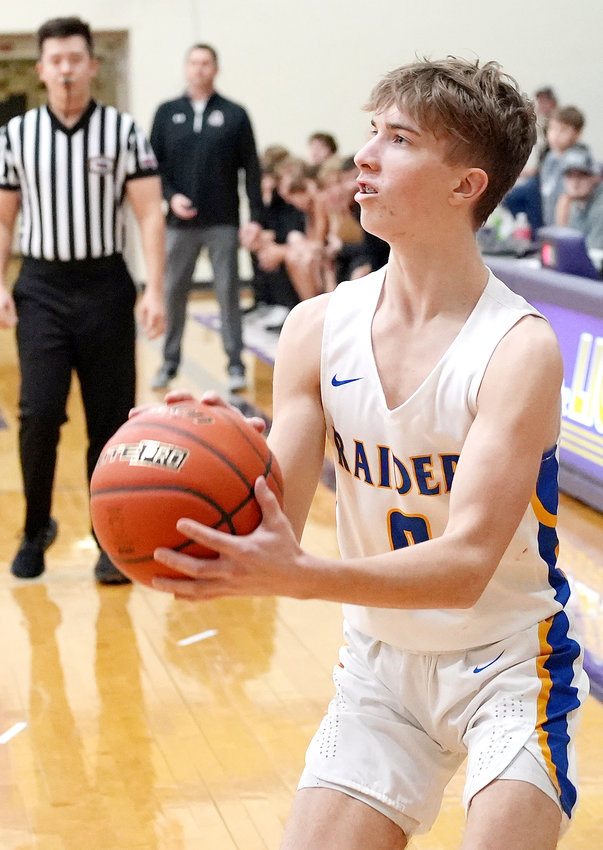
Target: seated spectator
point(545, 103)
point(311, 234)
point(563, 135)
point(305, 256)
point(274, 294)
point(321, 146)
point(353, 251)
point(581, 204)
point(269, 160)
point(538, 196)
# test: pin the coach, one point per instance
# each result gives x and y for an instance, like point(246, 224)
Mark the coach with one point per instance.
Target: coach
point(69, 167)
point(203, 141)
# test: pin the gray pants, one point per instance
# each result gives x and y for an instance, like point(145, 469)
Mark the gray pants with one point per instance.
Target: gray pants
point(183, 245)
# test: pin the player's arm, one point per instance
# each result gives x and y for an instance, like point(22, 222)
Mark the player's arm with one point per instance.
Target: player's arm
point(297, 436)
point(267, 561)
point(516, 423)
point(10, 200)
point(144, 195)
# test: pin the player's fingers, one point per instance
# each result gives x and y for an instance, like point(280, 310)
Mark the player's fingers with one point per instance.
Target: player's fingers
point(186, 564)
point(266, 499)
point(212, 398)
point(185, 589)
point(217, 541)
point(174, 396)
point(140, 408)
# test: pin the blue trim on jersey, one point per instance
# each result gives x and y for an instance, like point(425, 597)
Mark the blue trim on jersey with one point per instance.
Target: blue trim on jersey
point(564, 651)
point(563, 698)
point(547, 487)
point(547, 494)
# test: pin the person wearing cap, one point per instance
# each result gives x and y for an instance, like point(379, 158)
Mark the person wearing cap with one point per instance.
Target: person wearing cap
point(564, 132)
point(581, 205)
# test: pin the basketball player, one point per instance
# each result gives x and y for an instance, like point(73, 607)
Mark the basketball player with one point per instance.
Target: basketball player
point(438, 389)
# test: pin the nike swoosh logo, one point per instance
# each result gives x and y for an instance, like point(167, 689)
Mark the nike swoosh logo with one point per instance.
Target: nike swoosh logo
point(337, 383)
point(489, 664)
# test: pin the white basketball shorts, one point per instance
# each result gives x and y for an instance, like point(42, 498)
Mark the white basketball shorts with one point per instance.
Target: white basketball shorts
point(401, 724)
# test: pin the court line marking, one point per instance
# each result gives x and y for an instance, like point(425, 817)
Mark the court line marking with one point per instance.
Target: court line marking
point(14, 730)
point(196, 638)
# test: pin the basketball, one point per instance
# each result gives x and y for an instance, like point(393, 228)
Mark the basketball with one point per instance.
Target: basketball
point(189, 459)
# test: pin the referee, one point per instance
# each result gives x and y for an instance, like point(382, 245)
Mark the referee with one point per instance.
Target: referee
point(69, 167)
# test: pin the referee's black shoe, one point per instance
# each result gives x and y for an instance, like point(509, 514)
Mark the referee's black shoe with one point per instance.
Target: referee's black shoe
point(29, 560)
point(105, 571)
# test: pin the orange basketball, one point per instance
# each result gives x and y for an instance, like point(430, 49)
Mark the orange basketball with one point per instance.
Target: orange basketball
point(180, 460)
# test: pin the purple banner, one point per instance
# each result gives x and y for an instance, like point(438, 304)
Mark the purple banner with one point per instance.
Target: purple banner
point(581, 340)
point(581, 447)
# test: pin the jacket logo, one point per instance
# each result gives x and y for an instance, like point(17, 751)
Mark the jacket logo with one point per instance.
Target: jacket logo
point(215, 118)
point(179, 118)
point(101, 165)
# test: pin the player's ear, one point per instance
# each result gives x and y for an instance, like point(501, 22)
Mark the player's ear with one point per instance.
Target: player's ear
point(470, 185)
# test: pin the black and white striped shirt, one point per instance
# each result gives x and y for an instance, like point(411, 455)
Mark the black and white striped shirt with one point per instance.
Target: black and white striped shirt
point(72, 180)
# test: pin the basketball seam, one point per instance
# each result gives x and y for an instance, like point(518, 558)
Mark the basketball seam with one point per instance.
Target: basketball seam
point(226, 515)
point(142, 558)
point(178, 429)
point(268, 463)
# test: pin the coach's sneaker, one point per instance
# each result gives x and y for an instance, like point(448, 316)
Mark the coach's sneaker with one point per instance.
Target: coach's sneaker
point(105, 571)
point(236, 378)
point(29, 560)
point(162, 377)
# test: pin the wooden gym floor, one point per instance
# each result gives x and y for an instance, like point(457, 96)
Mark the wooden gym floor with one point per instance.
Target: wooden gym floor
point(131, 721)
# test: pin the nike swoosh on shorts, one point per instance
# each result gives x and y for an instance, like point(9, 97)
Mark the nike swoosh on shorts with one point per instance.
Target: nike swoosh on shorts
point(489, 664)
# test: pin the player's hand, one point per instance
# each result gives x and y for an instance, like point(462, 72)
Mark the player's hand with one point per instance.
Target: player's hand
point(209, 397)
point(8, 313)
point(267, 562)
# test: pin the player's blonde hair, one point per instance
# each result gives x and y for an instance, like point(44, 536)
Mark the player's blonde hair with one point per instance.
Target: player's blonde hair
point(488, 121)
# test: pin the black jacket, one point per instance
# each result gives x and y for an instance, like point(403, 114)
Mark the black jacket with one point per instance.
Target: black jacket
point(205, 165)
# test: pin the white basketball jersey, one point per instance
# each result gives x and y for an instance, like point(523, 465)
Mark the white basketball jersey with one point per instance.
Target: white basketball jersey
point(395, 469)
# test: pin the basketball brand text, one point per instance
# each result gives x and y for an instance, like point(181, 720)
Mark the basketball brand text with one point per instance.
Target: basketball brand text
point(147, 453)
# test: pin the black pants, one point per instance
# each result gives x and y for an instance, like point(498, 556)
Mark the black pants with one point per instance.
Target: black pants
point(72, 316)
point(273, 287)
